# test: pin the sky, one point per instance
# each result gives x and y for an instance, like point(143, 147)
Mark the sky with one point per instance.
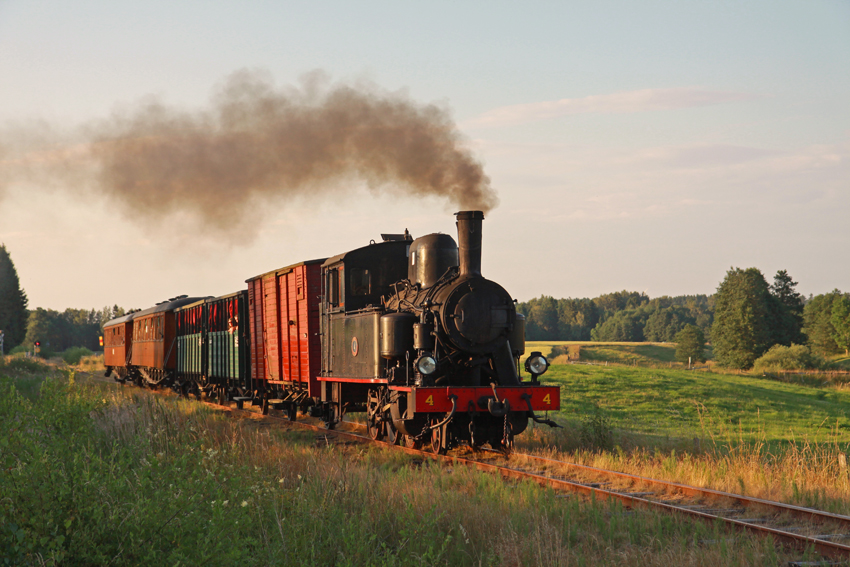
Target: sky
point(648, 146)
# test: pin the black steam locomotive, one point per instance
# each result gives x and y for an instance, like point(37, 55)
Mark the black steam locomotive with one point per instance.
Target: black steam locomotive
point(407, 331)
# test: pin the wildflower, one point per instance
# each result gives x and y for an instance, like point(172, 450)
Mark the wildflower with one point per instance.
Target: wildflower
point(244, 503)
point(280, 480)
point(225, 502)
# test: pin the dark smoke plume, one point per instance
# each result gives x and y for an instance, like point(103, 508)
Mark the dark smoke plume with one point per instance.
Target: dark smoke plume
point(257, 145)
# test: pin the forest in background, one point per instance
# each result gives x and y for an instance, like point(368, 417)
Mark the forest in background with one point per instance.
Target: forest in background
point(746, 319)
point(622, 316)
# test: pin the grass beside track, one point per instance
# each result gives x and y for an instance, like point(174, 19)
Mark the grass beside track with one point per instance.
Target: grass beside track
point(740, 433)
point(96, 474)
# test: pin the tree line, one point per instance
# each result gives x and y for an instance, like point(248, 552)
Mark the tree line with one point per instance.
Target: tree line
point(623, 316)
point(744, 319)
point(55, 331)
point(58, 331)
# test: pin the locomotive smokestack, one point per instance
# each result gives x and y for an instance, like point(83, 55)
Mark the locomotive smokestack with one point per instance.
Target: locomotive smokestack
point(469, 242)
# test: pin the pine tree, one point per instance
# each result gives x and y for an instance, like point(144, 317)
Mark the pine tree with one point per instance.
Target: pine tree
point(744, 318)
point(13, 302)
point(788, 310)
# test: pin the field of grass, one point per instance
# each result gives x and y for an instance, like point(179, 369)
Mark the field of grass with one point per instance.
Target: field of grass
point(96, 474)
point(682, 405)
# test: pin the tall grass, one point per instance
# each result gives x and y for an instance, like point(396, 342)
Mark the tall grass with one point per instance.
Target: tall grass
point(802, 472)
point(96, 476)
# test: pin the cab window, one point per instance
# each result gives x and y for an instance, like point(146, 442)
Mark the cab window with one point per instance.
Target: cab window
point(361, 281)
point(333, 287)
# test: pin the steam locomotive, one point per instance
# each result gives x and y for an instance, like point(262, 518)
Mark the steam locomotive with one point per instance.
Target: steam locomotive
point(407, 331)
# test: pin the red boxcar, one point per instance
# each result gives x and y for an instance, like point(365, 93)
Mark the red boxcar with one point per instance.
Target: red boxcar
point(285, 342)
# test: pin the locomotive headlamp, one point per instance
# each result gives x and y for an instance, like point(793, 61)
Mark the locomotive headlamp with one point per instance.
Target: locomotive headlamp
point(426, 364)
point(536, 364)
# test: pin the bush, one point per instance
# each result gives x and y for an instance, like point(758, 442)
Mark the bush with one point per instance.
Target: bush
point(46, 352)
point(74, 354)
point(20, 365)
point(596, 431)
point(795, 357)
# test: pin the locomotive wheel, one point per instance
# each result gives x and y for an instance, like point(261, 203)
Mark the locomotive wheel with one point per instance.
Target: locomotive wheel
point(376, 430)
point(330, 422)
point(374, 425)
point(393, 436)
point(437, 444)
point(411, 443)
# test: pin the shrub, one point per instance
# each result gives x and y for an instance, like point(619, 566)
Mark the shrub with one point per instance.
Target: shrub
point(571, 351)
point(74, 354)
point(20, 365)
point(46, 352)
point(596, 431)
point(795, 357)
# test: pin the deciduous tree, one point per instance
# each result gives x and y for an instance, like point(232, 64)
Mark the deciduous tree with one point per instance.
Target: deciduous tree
point(690, 344)
point(663, 324)
point(841, 322)
point(817, 323)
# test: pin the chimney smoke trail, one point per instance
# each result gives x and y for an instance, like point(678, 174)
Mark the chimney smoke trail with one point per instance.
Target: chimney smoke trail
point(257, 144)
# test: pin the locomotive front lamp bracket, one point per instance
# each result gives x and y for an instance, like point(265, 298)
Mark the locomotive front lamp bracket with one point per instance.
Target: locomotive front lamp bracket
point(536, 365)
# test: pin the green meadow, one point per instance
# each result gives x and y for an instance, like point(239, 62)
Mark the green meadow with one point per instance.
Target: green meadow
point(680, 405)
point(653, 401)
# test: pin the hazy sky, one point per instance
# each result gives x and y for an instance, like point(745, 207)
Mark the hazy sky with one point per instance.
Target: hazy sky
point(647, 146)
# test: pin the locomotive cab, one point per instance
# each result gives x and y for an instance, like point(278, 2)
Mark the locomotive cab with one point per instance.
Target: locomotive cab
point(353, 287)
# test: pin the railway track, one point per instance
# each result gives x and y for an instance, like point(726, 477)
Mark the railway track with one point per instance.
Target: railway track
point(792, 526)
